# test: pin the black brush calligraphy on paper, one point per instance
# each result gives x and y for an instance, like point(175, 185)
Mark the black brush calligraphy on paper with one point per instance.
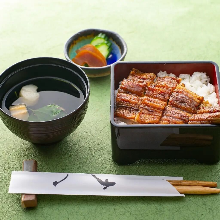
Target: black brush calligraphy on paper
point(105, 183)
point(57, 182)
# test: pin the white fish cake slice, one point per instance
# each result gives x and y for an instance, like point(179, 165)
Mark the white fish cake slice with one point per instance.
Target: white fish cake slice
point(29, 95)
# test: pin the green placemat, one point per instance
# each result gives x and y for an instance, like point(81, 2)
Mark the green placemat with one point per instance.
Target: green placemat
point(157, 30)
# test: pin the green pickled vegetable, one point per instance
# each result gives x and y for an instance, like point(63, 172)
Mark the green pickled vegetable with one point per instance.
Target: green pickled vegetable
point(104, 48)
point(102, 43)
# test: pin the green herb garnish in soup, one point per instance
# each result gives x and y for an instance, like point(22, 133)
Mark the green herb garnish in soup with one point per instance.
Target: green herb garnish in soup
point(42, 99)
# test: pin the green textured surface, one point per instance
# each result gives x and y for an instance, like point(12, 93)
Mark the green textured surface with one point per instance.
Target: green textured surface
point(154, 30)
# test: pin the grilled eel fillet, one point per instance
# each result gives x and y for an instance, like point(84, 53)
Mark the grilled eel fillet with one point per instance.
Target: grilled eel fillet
point(147, 99)
point(206, 114)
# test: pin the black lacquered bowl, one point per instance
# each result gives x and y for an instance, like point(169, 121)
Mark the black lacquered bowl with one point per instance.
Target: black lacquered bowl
point(44, 132)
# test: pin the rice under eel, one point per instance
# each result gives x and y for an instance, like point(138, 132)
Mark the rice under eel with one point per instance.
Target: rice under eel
point(147, 99)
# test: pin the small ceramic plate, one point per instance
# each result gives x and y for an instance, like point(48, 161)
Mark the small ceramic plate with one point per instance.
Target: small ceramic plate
point(119, 50)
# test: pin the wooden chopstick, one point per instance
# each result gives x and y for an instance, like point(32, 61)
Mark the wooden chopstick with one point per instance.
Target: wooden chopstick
point(192, 183)
point(194, 186)
point(196, 190)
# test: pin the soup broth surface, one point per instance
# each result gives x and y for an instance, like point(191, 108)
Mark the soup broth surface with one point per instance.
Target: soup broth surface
point(52, 91)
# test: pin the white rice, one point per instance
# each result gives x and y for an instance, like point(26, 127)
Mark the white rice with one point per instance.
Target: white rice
point(123, 121)
point(199, 83)
point(164, 73)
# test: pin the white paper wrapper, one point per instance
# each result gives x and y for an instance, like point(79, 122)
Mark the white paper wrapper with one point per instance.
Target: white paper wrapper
point(91, 184)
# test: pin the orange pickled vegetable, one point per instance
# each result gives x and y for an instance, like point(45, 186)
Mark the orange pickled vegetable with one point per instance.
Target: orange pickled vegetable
point(90, 55)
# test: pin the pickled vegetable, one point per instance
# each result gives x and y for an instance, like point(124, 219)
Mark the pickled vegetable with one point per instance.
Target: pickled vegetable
point(89, 55)
point(104, 48)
